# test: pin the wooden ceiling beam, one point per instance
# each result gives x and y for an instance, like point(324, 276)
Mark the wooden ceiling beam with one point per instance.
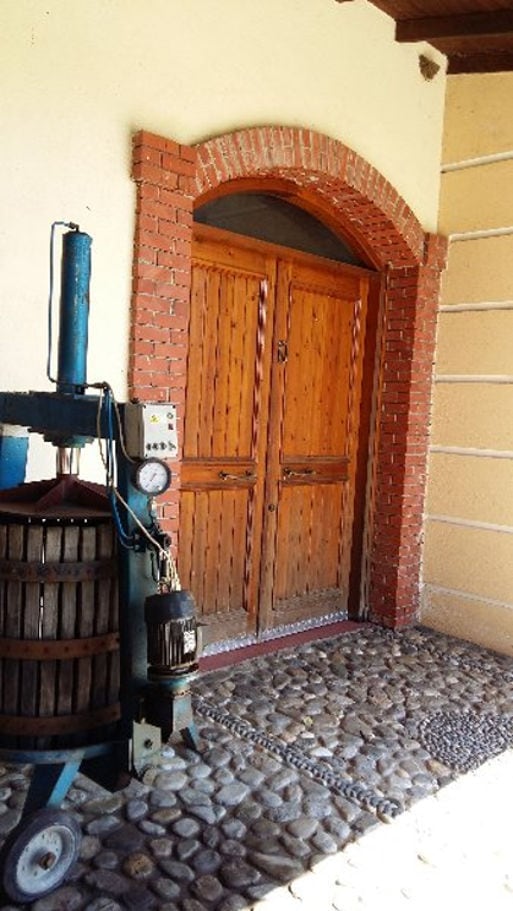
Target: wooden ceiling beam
point(480, 63)
point(466, 25)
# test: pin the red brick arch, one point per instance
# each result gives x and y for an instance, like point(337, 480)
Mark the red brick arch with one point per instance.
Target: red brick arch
point(325, 175)
point(347, 193)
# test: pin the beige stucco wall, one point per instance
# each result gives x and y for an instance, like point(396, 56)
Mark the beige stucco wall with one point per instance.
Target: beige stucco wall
point(468, 565)
point(78, 77)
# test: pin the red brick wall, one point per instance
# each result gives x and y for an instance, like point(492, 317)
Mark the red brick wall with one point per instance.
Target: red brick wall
point(163, 171)
point(345, 191)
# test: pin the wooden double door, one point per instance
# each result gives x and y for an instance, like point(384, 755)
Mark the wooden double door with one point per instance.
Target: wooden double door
point(275, 440)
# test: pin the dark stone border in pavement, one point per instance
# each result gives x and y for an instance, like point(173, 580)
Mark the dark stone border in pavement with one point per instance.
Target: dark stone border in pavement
point(316, 769)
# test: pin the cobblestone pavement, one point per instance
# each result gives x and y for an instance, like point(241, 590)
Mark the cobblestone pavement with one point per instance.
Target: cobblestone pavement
point(318, 785)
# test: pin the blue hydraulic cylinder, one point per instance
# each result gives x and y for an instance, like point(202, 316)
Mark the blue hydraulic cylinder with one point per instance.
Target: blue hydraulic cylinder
point(74, 312)
point(13, 455)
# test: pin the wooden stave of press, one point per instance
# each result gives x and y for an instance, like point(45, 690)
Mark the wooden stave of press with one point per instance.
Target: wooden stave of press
point(69, 699)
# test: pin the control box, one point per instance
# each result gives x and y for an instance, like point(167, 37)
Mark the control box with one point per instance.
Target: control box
point(150, 430)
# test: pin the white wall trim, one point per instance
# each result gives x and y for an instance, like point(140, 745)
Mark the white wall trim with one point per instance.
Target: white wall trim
point(477, 162)
point(458, 593)
point(472, 451)
point(476, 305)
point(481, 234)
point(499, 379)
point(471, 523)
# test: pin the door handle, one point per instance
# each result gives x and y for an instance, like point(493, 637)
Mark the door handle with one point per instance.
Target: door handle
point(304, 473)
point(245, 476)
point(283, 351)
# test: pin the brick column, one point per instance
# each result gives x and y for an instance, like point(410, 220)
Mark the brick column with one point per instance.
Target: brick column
point(403, 427)
point(163, 171)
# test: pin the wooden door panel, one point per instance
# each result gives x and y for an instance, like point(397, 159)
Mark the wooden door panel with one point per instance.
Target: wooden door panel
point(222, 486)
point(308, 539)
point(271, 430)
point(307, 552)
point(317, 368)
point(215, 557)
point(222, 355)
point(316, 384)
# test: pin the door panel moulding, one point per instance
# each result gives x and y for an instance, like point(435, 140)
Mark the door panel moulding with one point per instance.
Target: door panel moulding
point(347, 194)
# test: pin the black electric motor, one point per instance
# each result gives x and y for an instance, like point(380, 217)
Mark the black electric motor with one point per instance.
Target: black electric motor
point(173, 651)
point(173, 641)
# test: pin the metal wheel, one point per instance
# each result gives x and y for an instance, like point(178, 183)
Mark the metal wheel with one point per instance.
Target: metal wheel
point(38, 853)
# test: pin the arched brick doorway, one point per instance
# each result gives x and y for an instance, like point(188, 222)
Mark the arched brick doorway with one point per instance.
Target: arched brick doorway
point(349, 195)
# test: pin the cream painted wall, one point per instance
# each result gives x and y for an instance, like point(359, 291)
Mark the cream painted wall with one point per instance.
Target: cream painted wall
point(78, 77)
point(476, 200)
point(468, 556)
point(478, 118)
point(470, 267)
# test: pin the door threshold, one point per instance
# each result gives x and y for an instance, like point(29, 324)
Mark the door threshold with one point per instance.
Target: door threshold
point(233, 651)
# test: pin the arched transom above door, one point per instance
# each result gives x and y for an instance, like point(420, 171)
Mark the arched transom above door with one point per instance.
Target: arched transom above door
point(348, 195)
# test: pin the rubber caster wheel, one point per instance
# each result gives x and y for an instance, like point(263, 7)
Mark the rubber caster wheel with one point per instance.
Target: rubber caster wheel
point(38, 854)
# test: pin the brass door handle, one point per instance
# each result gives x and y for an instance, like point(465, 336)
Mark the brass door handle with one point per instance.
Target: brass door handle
point(246, 476)
point(304, 473)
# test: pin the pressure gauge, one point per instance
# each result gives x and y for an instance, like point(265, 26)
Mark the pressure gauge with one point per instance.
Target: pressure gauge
point(152, 477)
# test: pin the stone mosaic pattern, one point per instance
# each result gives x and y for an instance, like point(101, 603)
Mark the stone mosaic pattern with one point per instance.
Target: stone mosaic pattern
point(373, 707)
point(464, 740)
point(301, 753)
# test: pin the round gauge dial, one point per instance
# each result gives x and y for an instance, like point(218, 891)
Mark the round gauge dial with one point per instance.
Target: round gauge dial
point(152, 477)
